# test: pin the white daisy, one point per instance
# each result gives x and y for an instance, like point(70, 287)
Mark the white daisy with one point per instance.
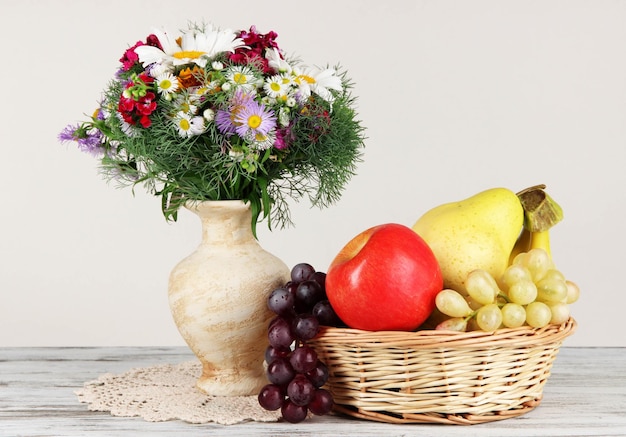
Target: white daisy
point(276, 86)
point(186, 103)
point(319, 81)
point(187, 125)
point(242, 77)
point(195, 47)
point(196, 94)
point(167, 83)
point(261, 141)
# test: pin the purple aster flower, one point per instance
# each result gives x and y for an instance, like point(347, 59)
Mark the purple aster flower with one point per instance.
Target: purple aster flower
point(69, 133)
point(89, 141)
point(225, 119)
point(224, 122)
point(254, 120)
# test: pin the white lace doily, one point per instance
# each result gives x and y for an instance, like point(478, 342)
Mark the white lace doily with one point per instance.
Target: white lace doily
point(168, 392)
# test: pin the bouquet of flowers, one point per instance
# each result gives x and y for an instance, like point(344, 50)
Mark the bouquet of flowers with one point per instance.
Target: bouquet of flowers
point(216, 114)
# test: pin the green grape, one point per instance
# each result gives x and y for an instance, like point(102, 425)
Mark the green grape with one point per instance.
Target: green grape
point(538, 314)
point(554, 274)
point(514, 273)
point(481, 286)
point(573, 292)
point(520, 259)
point(538, 262)
point(453, 324)
point(452, 304)
point(489, 317)
point(560, 313)
point(513, 315)
point(472, 303)
point(523, 292)
point(551, 290)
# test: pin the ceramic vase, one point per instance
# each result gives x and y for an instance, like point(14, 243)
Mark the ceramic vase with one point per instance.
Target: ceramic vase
point(218, 298)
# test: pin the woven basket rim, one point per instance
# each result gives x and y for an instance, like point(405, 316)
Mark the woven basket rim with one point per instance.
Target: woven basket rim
point(511, 337)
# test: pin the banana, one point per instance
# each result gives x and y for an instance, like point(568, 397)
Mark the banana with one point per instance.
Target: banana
point(522, 245)
point(541, 240)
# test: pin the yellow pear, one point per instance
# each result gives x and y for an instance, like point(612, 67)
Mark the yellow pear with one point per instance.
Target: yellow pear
point(476, 233)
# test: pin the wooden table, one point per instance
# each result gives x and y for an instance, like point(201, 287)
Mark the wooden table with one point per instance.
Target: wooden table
point(585, 396)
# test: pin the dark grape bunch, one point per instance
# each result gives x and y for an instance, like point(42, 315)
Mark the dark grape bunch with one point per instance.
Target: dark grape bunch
point(295, 373)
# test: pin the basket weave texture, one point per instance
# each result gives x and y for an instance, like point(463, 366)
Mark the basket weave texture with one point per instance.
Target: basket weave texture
point(434, 376)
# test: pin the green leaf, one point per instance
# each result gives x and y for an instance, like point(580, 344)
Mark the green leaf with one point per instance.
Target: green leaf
point(255, 208)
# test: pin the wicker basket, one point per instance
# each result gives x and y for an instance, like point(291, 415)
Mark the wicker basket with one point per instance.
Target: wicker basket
point(439, 377)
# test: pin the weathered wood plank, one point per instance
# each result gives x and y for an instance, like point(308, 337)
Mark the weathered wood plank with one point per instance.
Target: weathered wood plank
point(585, 396)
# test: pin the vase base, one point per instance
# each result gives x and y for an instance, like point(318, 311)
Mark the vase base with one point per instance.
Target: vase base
point(231, 384)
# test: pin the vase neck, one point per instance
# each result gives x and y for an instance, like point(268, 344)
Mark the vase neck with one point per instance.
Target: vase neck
point(224, 221)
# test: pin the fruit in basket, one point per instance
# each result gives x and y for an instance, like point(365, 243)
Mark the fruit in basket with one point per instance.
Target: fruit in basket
point(513, 315)
point(531, 291)
point(294, 371)
point(541, 213)
point(385, 278)
point(475, 233)
point(452, 303)
point(489, 317)
point(538, 314)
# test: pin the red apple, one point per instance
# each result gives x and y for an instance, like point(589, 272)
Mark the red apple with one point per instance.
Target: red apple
point(385, 278)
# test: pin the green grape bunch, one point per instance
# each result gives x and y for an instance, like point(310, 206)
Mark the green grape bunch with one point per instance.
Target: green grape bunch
point(531, 291)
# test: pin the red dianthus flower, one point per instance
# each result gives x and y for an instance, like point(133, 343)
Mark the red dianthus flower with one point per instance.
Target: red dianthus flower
point(138, 107)
point(254, 52)
point(130, 58)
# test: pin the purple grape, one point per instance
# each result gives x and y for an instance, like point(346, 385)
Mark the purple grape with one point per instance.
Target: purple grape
point(279, 334)
point(320, 278)
point(292, 287)
point(306, 327)
point(300, 391)
point(280, 371)
point(273, 322)
point(321, 403)
point(271, 353)
point(318, 375)
point(271, 397)
point(303, 359)
point(301, 272)
point(308, 294)
point(296, 377)
point(293, 413)
point(325, 314)
point(281, 301)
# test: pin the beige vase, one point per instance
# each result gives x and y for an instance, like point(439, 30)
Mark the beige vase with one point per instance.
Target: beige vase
point(218, 297)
